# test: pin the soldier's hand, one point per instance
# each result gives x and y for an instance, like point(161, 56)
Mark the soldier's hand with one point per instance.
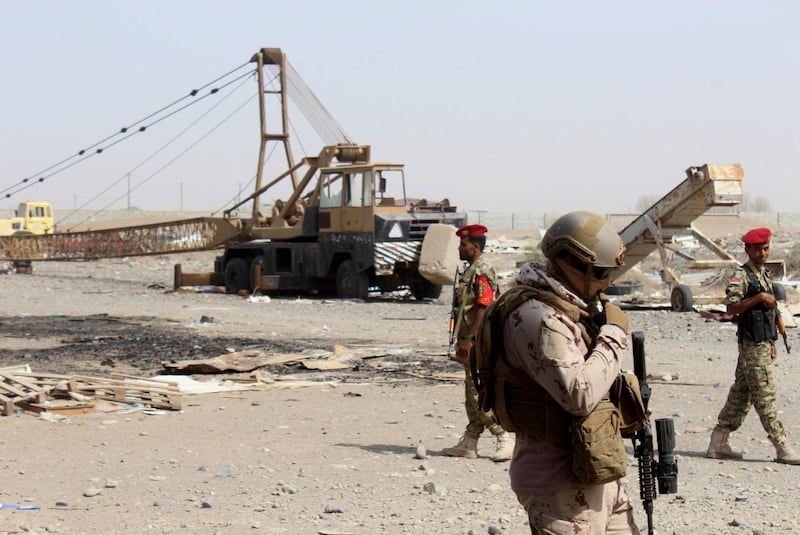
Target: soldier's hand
point(463, 350)
point(615, 316)
point(768, 299)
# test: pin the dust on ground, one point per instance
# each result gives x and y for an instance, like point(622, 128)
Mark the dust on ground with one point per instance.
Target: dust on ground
point(328, 451)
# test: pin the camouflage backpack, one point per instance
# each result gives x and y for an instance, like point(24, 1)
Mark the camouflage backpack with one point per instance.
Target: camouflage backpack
point(500, 385)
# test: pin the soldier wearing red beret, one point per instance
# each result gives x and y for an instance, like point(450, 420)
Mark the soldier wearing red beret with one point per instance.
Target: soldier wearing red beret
point(472, 230)
point(757, 235)
point(477, 288)
point(750, 295)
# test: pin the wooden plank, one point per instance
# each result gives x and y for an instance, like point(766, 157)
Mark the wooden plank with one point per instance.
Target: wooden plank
point(140, 384)
point(66, 410)
point(121, 376)
point(34, 388)
point(158, 395)
point(18, 379)
point(13, 391)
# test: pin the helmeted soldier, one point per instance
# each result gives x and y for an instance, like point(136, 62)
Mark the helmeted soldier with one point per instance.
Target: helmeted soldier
point(571, 349)
point(750, 295)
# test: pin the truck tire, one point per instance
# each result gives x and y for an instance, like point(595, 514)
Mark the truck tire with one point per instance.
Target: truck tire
point(422, 288)
point(350, 283)
point(681, 299)
point(237, 276)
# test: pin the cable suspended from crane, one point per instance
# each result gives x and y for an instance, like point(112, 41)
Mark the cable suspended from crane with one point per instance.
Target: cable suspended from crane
point(127, 131)
point(158, 151)
point(328, 129)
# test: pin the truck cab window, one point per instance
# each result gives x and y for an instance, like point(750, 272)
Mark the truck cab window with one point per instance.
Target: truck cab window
point(391, 187)
point(356, 192)
point(368, 196)
point(330, 195)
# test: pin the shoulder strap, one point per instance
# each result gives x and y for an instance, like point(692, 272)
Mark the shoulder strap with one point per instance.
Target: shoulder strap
point(754, 282)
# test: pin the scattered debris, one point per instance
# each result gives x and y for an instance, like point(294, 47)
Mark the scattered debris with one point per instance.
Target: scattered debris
point(63, 395)
point(240, 361)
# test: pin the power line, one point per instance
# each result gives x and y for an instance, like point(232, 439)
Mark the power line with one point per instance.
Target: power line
point(126, 132)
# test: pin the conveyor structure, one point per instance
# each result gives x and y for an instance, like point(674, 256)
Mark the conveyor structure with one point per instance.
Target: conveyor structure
point(705, 187)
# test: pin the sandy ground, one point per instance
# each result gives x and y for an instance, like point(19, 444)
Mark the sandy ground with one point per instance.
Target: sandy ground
point(332, 451)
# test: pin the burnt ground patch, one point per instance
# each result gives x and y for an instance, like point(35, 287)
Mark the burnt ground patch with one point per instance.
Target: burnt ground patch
point(101, 344)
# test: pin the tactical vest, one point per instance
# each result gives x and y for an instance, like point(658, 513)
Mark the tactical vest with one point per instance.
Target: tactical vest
point(501, 386)
point(520, 404)
point(758, 323)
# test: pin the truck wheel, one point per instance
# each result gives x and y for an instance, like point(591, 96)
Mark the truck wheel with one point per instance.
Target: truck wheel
point(681, 299)
point(422, 288)
point(237, 276)
point(350, 283)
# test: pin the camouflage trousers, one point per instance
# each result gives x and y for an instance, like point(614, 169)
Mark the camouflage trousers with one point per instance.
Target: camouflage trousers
point(478, 420)
point(582, 511)
point(754, 386)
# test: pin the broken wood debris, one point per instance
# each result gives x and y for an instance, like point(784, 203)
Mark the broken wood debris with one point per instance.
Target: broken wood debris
point(14, 389)
point(130, 391)
point(35, 391)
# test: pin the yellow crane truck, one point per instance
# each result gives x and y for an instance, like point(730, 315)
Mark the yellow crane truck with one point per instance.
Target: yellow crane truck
point(346, 224)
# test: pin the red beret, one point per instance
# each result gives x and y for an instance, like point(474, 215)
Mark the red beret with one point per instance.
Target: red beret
point(757, 235)
point(471, 230)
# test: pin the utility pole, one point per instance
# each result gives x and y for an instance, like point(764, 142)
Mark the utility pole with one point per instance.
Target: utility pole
point(129, 190)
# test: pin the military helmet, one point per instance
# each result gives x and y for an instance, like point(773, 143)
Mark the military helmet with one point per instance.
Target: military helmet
point(588, 237)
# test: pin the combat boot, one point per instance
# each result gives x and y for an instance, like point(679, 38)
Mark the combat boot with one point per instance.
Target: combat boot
point(719, 448)
point(504, 448)
point(467, 447)
point(786, 454)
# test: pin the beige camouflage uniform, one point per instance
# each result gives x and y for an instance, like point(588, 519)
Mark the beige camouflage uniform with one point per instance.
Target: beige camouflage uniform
point(549, 347)
point(754, 383)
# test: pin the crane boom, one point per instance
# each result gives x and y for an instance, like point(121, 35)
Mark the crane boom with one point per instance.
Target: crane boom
point(184, 235)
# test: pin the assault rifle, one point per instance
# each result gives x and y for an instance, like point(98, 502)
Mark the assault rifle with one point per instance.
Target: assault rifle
point(456, 312)
point(665, 470)
point(782, 330)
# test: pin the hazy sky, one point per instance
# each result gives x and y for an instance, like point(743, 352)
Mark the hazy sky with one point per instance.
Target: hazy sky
point(502, 106)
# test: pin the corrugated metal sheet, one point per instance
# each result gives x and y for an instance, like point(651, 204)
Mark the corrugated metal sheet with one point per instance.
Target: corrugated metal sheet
point(387, 254)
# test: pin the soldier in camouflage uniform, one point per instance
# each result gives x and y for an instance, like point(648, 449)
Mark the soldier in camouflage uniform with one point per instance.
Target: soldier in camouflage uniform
point(571, 350)
point(750, 295)
point(477, 288)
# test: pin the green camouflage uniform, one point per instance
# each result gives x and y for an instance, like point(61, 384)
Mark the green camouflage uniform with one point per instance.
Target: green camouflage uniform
point(478, 420)
point(754, 383)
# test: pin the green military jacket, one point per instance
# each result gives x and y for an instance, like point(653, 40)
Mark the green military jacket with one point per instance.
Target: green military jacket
point(466, 289)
